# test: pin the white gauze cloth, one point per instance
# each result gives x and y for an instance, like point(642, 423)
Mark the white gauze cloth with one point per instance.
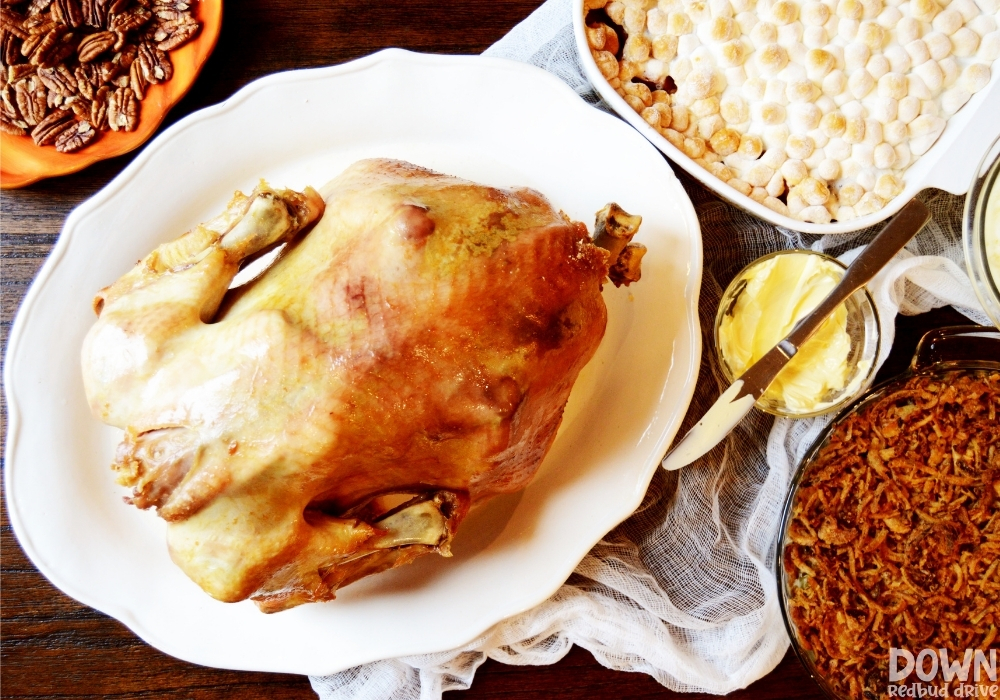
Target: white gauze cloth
point(685, 589)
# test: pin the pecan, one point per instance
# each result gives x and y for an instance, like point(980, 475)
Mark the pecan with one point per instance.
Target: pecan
point(38, 24)
point(37, 7)
point(84, 85)
point(137, 81)
point(130, 19)
point(59, 80)
point(79, 105)
point(8, 103)
point(123, 110)
point(171, 35)
point(53, 54)
point(8, 126)
point(10, 49)
point(116, 7)
point(93, 45)
point(13, 23)
point(21, 70)
point(67, 12)
point(107, 71)
point(46, 131)
point(99, 109)
point(127, 55)
point(76, 138)
point(31, 102)
point(44, 47)
point(156, 65)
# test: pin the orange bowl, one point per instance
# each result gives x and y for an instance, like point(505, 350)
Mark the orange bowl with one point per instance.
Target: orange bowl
point(22, 162)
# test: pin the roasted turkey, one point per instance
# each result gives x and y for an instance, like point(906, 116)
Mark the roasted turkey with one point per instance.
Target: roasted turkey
point(407, 355)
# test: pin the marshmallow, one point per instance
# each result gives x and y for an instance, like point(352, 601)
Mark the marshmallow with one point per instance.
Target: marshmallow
point(828, 169)
point(916, 86)
point(833, 124)
point(856, 55)
point(776, 91)
point(989, 47)
point(801, 91)
point(819, 63)
point(845, 213)
point(815, 13)
point(850, 9)
point(789, 34)
point(705, 107)
point(813, 191)
point(725, 141)
point(709, 126)
point(721, 8)
point(924, 131)
point(835, 83)
point(784, 12)
point(751, 146)
point(918, 51)
point(775, 136)
point(679, 23)
point(734, 109)
point(884, 156)
point(884, 109)
point(899, 60)
point(895, 133)
point(847, 29)
point(982, 24)
point(907, 30)
point(924, 10)
point(815, 37)
point(850, 194)
point(769, 113)
point(855, 131)
point(863, 154)
point(869, 204)
point(860, 83)
point(938, 44)
point(733, 53)
point(952, 100)
point(758, 174)
point(889, 17)
point(966, 8)
point(903, 155)
point(892, 85)
point(838, 149)
point(872, 34)
point(948, 21)
point(771, 59)
point(866, 177)
point(799, 147)
point(877, 66)
point(887, 186)
point(819, 138)
point(951, 68)
point(753, 89)
point(699, 83)
point(932, 75)
point(763, 33)
point(776, 185)
point(665, 47)
point(816, 215)
point(794, 171)
point(964, 42)
point(975, 77)
point(909, 108)
point(805, 116)
point(736, 76)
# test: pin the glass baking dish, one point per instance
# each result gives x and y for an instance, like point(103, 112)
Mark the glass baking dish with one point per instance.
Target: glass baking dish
point(940, 351)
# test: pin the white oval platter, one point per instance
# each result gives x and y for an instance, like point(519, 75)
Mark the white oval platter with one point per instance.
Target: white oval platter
point(488, 120)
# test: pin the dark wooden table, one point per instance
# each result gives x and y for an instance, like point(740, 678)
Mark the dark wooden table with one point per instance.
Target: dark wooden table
point(53, 647)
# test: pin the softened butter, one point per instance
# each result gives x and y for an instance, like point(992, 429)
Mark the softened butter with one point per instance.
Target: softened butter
point(779, 291)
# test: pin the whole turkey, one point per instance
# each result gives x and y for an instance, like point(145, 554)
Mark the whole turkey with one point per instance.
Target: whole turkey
point(405, 359)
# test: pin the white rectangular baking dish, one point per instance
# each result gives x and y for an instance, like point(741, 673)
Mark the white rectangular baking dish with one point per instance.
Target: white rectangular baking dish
point(950, 164)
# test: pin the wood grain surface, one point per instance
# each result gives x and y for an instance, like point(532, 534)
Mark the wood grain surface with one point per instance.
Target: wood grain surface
point(53, 647)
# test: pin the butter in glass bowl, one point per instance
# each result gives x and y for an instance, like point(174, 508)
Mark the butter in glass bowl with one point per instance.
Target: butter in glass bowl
point(761, 306)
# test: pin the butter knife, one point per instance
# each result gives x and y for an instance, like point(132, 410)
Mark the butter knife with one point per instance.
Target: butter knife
point(739, 398)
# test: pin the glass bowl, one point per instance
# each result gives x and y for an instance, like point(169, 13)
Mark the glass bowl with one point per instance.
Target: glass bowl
point(980, 231)
point(939, 352)
point(862, 328)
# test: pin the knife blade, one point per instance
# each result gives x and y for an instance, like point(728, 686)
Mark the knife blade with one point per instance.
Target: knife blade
point(736, 401)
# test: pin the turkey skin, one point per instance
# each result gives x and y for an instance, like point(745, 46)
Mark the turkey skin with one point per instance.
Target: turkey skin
point(407, 355)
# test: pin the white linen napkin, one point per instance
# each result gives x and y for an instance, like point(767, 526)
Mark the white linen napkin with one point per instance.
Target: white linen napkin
point(685, 589)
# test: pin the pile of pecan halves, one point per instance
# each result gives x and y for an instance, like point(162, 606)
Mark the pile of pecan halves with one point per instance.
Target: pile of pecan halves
point(72, 69)
point(894, 538)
